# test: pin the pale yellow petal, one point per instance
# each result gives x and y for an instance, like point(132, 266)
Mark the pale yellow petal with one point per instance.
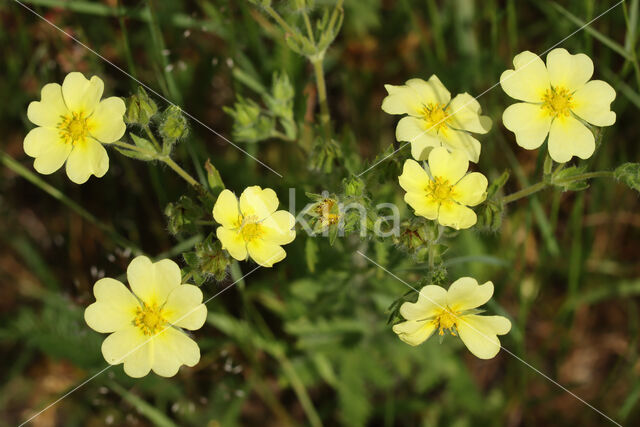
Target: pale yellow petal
point(50, 109)
point(258, 203)
point(592, 103)
point(132, 347)
point(232, 242)
point(460, 140)
point(184, 307)
point(568, 71)
point(278, 228)
point(471, 190)
point(417, 132)
point(153, 282)
point(431, 301)
point(226, 211)
point(414, 332)
point(568, 137)
point(466, 114)
point(86, 159)
point(414, 178)
point(450, 166)
point(422, 205)
point(265, 253)
point(402, 100)
point(431, 91)
point(48, 148)
point(106, 122)
point(114, 309)
point(529, 122)
point(465, 294)
point(456, 216)
point(529, 80)
point(479, 333)
point(80, 94)
point(173, 348)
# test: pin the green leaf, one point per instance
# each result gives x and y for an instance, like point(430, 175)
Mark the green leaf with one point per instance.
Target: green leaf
point(497, 184)
point(145, 144)
point(563, 179)
point(629, 174)
point(213, 178)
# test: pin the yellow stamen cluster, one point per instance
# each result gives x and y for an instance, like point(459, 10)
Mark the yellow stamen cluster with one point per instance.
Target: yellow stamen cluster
point(149, 319)
point(436, 115)
point(446, 321)
point(74, 128)
point(440, 190)
point(251, 229)
point(557, 102)
point(324, 209)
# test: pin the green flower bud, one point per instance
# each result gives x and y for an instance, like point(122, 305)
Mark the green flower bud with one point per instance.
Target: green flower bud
point(140, 108)
point(173, 126)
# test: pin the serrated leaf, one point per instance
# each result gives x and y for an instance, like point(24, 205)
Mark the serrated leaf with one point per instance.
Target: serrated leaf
point(629, 174)
point(563, 179)
point(134, 154)
point(143, 143)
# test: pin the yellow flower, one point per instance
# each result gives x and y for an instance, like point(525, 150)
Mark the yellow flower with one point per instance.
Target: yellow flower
point(454, 311)
point(434, 119)
point(559, 98)
point(73, 123)
point(446, 191)
point(253, 226)
point(145, 325)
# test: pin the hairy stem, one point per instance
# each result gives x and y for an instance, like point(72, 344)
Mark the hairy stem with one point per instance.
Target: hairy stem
point(165, 159)
point(526, 192)
point(325, 116)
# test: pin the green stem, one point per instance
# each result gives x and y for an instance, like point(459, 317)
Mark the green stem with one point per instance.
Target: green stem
point(276, 16)
point(542, 185)
point(12, 164)
point(325, 117)
point(165, 159)
point(631, 47)
point(307, 23)
point(177, 169)
point(152, 138)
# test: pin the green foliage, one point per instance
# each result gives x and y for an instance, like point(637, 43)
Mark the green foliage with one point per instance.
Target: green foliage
point(250, 124)
point(182, 216)
point(565, 178)
point(309, 338)
point(208, 260)
point(629, 174)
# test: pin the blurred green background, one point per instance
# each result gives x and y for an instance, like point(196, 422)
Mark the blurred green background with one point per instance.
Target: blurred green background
point(291, 346)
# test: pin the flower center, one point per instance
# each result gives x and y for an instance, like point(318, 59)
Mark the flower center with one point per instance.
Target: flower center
point(324, 210)
point(251, 229)
point(149, 319)
point(557, 101)
point(439, 190)
point(74, 128)
point(436, 115)
point(446, 320)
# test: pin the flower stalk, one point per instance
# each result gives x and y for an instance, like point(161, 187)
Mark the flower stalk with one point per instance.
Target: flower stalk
point(539, 186)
